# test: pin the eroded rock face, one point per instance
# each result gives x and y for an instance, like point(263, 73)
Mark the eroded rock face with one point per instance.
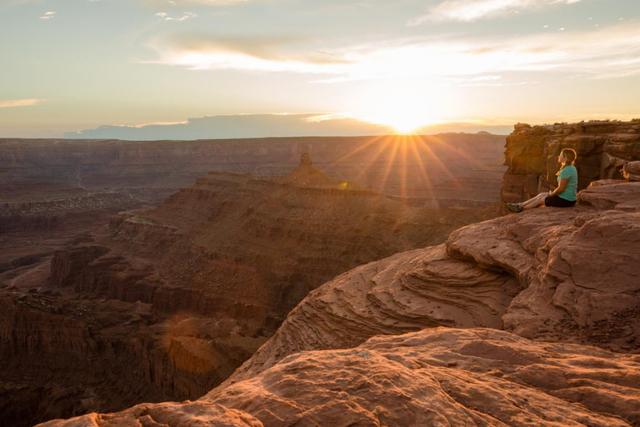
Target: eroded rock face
point(437, 376)
point(531, 154)
point(406, 292)
point(562, 283)
point(568, 275)
point(579, 267)
point(207, 277)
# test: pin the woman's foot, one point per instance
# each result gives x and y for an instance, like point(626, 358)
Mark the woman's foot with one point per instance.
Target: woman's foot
point(514, 207)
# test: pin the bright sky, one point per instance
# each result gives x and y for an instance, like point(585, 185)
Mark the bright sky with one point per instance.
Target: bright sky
point(74, 64)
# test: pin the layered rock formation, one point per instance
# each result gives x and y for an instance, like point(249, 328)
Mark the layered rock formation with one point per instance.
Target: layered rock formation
point(531, 154)
point(559, 289)
point(552, 274)
point(456, 169)
point(174, 298)
point(45, 207)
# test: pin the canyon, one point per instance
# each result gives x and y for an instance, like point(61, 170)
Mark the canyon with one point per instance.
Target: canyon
point(448, 169)
point(114, 297)
point(523, 319)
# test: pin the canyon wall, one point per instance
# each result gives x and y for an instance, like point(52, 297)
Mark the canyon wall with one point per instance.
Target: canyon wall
point(173, 298)
point(525, 319)
point(538, 311)
point(531, 153)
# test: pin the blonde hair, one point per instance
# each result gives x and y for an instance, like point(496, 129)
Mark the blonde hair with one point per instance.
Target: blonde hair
point(570, 155)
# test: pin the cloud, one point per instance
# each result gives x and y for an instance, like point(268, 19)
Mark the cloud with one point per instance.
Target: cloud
point(472, 10)
point(260, 53)
point(48, 15)
point(14, 103)
point(166, 3)
point(239, 126)
point(180, 18)
point(600, 53)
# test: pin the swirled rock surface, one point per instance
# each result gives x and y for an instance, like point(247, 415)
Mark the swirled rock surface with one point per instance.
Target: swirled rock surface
point(406, 292)
point(436, 376)
point(527, 319)
point(579, 267)
point(556, 274)
point(345, 355)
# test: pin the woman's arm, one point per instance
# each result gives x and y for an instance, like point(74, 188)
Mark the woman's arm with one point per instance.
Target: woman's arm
point(561, 187)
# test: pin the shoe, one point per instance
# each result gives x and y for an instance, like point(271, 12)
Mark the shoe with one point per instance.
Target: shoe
point(514, 207)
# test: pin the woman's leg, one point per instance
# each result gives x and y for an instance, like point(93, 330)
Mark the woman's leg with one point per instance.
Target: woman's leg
point(534, 202)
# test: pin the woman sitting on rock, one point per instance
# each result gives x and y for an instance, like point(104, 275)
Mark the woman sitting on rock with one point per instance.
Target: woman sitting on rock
point(565, 195)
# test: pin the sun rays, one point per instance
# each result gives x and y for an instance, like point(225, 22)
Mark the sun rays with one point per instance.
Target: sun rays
point(407, 166)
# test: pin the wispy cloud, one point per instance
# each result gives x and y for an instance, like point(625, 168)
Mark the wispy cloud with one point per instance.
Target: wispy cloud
point(48, 15)
point(14, 103)
point(472, 10)
point(244, 53)
point(163, 3)
point(185, 16)
point(601, 53)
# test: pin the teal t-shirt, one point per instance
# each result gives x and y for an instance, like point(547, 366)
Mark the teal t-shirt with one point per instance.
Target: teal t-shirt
point(571, 173)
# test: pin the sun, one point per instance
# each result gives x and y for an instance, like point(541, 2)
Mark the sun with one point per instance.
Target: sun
point(410, 122)
point(399, 107)
point(403, 117)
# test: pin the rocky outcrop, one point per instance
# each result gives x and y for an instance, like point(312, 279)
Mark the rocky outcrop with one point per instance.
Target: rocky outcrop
point(437, 376)
point(567, 275)
point(406, 292)
point(527, 319)
point(579, 267)
point(562, 282)
point(531, 154)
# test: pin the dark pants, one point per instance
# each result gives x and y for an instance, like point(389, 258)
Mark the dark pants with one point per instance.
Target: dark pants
point(558, 202)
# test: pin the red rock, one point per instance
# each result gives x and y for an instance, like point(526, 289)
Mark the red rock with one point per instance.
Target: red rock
point(564, 283)
point(166, 414)
point(603, 147)
point(405, 292)
point(217, 267)
point(437, 376)
point(567, 275)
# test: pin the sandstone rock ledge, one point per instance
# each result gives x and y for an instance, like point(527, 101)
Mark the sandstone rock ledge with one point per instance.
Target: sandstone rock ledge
point(564, 283)
point(437, 376)
point(567, 275)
